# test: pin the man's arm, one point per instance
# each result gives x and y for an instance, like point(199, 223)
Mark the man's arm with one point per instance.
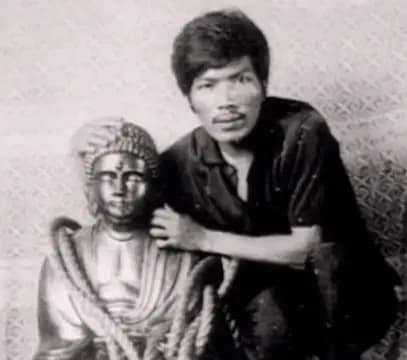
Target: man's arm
point(291, 250)
point(181, 232)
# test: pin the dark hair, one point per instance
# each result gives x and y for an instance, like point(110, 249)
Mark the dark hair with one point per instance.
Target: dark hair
point(213, 40)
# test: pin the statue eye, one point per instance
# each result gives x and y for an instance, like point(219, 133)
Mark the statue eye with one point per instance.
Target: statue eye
point(106, 176)
point(135, 177)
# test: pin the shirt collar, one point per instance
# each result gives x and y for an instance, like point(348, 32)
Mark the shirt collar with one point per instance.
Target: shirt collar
point(209, 152)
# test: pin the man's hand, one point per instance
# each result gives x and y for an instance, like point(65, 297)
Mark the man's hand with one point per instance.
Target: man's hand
point(93, 134)
point(172, 230)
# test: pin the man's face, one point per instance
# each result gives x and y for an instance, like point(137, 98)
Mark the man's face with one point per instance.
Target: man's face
point(227, 100)
point(122, 187)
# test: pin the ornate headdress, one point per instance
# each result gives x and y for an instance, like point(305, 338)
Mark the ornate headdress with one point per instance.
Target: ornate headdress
point(123, 136)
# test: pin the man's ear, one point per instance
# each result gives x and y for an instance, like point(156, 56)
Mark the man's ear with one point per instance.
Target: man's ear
point(190, 103)
point(264, 85)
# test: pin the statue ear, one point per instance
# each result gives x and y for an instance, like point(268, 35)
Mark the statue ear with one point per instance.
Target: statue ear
point(93, 205)
point(93, 208)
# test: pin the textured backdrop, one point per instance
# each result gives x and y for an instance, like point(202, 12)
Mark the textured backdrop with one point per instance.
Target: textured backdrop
point(65, 62)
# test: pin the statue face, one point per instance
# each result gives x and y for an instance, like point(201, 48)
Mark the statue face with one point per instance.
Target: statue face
point(123, 187)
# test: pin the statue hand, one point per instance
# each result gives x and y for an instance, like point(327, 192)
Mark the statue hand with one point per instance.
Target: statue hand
point(173, 230)
point(94, 133)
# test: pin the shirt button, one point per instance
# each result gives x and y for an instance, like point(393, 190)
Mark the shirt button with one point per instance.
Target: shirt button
point(277, 189)
point(300, 220)
point(328, 325)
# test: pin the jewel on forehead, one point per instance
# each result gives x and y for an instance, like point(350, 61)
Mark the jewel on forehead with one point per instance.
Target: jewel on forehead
point(120, 165)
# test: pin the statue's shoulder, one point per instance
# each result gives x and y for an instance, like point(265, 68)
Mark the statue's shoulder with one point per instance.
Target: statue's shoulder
point(68, 233)
point(82, 236)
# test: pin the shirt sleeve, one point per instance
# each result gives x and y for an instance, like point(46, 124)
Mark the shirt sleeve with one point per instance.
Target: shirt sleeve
point(172, 181)
point(319, 187)
point(309, 147)
point(62, 333)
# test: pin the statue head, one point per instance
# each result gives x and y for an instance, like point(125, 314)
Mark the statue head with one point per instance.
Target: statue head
point(121, 175)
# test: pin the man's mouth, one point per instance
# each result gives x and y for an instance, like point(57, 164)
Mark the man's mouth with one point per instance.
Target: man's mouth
point(228, 118)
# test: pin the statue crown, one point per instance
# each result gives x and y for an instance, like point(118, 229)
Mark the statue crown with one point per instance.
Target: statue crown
point(128, 138)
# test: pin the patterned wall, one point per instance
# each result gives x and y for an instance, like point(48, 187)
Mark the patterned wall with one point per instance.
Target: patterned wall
point(65, 62)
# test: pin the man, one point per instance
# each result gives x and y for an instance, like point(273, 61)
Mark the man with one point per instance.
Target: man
point(262, 180)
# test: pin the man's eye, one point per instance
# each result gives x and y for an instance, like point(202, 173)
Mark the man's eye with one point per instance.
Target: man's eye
point(205, 86)
point(243, 79)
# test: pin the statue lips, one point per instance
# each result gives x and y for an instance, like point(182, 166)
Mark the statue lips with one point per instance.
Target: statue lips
point(121, 206)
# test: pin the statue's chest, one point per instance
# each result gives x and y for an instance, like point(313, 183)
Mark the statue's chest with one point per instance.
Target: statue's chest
point(136, 282)
point(119, 263)
point(117, 271)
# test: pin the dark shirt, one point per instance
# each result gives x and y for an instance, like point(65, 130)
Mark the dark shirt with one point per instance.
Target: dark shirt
point(297, 178)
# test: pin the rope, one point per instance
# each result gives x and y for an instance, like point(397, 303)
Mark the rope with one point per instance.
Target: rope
point(187, 345)
point(112, 349)
point(207, 318)
point(195, 282)
point(192, 327)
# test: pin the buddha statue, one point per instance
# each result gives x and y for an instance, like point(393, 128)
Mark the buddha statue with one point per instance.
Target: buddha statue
point(107, 291)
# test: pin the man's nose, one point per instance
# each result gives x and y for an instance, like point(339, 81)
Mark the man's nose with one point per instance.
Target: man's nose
point(227, 95)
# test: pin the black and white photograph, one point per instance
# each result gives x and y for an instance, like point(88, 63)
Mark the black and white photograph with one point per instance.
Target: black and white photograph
point(203, 180)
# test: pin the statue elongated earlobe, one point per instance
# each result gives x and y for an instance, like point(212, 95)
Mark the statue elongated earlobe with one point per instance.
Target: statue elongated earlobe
point(92, 203)
point(93, 208)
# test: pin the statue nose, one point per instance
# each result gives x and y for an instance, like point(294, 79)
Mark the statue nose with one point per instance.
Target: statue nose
point(120, 186)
